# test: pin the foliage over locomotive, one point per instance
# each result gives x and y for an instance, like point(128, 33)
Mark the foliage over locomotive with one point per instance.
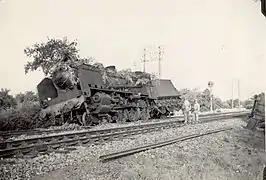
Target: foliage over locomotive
point(91, 93)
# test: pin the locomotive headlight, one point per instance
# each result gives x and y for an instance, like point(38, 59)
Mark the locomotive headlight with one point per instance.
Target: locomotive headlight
point(48, 98)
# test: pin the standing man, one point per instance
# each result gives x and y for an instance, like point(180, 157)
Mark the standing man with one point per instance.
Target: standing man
point(196, 111)
point(186, 111)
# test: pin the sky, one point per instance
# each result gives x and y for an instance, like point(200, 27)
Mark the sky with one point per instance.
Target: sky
point(206, 40)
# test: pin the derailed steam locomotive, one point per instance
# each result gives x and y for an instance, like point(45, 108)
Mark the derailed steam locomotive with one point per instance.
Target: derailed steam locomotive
point(102, 94)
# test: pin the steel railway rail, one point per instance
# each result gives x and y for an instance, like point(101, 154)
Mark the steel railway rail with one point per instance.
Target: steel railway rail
point(50, 143)
point(9, 134)
point(131, 151)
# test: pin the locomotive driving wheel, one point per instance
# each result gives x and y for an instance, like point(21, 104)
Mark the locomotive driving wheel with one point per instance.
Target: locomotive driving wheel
point(86, 119)
point(133, 116)
point(144, 114)
point(163, 112)
point(120, 116)
point(163, 109)
point(114, 118)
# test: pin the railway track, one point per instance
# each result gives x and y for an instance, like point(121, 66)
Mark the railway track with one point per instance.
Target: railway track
point(50, 143)
point(9, 134)
point(131, 151)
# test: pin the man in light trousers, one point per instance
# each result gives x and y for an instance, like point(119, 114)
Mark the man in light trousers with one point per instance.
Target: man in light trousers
point(186, 111)
point(196, 111)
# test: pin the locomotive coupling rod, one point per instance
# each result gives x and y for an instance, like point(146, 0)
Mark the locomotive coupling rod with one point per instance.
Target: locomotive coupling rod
point(119, 154)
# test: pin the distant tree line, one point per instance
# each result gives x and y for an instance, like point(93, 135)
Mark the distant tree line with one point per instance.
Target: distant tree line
point(204, 97)
point(8, 101)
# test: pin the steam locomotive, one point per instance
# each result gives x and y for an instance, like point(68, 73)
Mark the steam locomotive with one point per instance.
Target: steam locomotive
point(93, 99)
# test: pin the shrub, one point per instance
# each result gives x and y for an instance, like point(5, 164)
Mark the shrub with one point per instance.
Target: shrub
point(22, 118)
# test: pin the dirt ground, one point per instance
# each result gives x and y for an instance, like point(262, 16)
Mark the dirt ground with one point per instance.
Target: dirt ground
point(235, 154)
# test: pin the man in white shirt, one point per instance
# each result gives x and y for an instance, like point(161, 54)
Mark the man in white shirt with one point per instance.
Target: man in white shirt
point(196, 111)
point(186, 110)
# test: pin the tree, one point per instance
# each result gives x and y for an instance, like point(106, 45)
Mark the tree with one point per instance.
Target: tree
point(7, 100)
point(225, 105)
point(20, 97)
point(125, 71)
point(28, 96)
point(248, 104)
point(204, 100)
point(190, 95)
point(46, 55)
point(217, 103)
point(235, 102)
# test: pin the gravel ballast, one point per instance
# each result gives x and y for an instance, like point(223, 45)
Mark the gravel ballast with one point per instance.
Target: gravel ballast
point(72, 128)
point(235, 154)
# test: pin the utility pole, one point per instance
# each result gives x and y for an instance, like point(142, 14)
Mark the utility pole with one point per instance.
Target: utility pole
point(160, 59)
point(134, 65)
point(211, 100)
point(144, 60)
point(210, 85)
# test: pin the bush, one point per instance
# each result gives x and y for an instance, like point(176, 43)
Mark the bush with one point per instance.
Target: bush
point(6, 100)
point(22, 118)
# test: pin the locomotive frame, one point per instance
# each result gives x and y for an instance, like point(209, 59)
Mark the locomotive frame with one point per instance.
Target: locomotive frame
point(91, 101)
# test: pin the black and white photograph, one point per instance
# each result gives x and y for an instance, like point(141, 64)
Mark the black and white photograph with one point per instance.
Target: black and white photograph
point(132, 90)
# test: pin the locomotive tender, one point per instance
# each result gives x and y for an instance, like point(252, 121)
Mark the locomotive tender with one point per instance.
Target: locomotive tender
point(94, 99)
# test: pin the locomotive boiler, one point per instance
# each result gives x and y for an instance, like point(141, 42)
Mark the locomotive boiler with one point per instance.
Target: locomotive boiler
point(89, 95)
